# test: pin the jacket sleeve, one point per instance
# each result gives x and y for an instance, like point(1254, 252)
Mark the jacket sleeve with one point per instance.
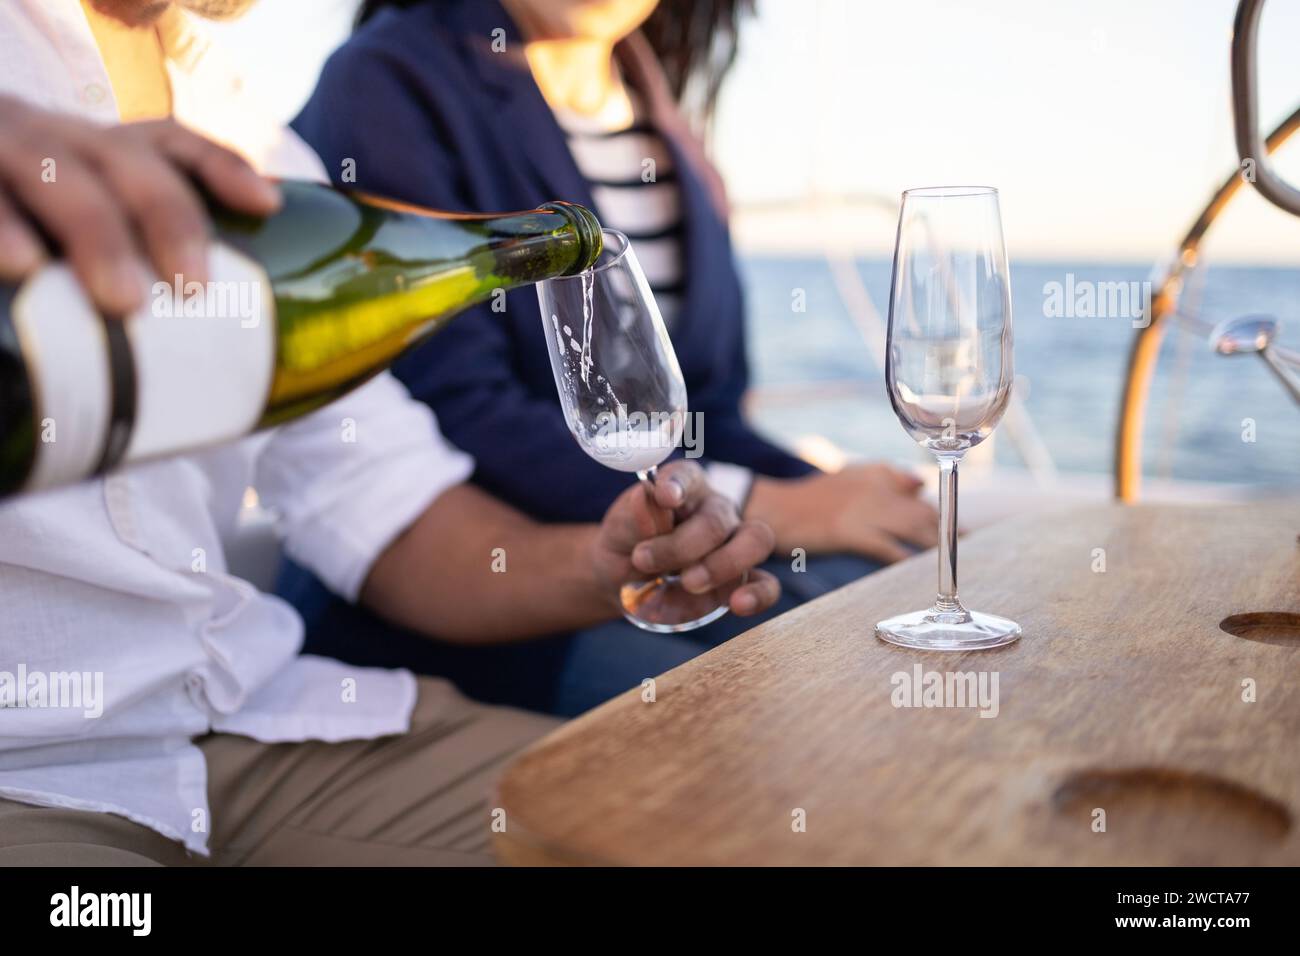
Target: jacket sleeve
point(724, 433)
point(728, 436)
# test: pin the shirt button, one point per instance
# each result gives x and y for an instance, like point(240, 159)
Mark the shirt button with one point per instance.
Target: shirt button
point(94, 93)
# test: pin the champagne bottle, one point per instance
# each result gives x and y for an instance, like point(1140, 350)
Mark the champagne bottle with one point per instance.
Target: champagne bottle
point(300, 307)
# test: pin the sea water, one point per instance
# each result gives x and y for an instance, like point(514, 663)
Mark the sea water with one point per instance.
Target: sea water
point(815, 375)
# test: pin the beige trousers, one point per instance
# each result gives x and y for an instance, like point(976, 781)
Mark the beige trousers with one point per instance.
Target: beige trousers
point(419, 799)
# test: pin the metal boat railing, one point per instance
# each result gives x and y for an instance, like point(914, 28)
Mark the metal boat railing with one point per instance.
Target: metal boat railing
point(1255, 169)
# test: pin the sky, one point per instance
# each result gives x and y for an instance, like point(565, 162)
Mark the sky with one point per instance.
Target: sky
point(1105, 124)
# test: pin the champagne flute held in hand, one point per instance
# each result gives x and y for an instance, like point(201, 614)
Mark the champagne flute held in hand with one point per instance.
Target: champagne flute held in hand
point(624, 399)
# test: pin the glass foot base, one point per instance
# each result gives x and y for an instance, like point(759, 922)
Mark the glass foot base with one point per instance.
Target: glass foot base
point(663, 605)
point(935, 630)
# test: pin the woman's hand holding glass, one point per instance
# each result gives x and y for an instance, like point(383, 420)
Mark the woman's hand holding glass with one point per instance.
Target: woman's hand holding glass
point(872, 509)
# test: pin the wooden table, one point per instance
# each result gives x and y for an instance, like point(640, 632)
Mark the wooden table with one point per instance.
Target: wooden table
point(1125, 695)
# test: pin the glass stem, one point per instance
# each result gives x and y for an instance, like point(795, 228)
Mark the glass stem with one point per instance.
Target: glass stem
point(947, 600)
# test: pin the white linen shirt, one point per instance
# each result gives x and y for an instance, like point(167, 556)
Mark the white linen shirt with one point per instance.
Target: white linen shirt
point(124, 578)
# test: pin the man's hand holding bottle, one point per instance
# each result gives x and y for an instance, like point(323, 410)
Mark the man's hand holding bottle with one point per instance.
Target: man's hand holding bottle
point(118, 202)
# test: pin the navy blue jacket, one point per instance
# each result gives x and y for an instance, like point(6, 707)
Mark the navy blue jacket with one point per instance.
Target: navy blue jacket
point(431, 115)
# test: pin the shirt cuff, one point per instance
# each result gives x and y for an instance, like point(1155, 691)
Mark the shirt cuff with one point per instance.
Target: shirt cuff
point(371, 513)
point(731, 481)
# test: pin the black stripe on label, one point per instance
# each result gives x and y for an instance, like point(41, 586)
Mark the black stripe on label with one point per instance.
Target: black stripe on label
point(19, 418)
point(122, 407)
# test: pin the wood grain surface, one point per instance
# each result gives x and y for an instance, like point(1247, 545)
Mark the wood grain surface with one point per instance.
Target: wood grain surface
point(1124, 696)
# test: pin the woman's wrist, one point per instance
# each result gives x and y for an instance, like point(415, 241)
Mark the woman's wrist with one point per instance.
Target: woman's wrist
point(797, 510)
point(769, 501)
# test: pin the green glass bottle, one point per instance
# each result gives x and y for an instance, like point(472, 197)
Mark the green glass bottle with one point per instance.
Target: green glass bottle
point(300, 307)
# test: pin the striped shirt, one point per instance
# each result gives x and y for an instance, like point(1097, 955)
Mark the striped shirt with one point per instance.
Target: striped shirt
point(634, 185)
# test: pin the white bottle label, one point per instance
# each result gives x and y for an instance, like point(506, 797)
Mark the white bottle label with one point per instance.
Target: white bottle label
point(203, 355)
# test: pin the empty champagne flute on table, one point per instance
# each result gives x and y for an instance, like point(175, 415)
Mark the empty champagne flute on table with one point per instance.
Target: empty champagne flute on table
point(624, 399)
point(949, 371)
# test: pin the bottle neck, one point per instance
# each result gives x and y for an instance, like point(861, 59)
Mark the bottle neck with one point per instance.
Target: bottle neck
point(519, 248)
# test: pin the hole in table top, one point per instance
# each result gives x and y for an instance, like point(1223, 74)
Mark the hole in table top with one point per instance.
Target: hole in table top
point(1162, 805)
point(1266, 627)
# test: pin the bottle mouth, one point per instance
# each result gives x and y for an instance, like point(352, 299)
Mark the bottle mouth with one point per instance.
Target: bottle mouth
point(589, 233)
